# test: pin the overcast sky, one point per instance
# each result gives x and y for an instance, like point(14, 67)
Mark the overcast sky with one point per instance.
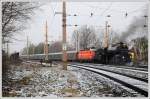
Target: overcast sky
point(36, 27)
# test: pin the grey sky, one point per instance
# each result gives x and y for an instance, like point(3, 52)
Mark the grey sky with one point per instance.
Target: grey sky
point(117, 10)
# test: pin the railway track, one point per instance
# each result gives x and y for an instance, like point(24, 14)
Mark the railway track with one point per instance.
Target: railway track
point(144, 68)
point(100, 68)
point(130, 82)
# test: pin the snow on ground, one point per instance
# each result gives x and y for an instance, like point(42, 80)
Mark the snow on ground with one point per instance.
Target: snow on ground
point(34, 80)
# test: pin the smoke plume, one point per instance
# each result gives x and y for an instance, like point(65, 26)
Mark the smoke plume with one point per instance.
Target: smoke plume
point(137, 28)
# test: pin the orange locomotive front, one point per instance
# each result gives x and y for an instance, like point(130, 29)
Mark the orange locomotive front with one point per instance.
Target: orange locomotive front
point(86, 55)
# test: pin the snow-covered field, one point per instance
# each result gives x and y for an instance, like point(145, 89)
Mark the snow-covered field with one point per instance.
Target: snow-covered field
point(34, 80)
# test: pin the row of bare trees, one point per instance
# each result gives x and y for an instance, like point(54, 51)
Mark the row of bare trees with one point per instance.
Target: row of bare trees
point(86, 36)
point(53, 47)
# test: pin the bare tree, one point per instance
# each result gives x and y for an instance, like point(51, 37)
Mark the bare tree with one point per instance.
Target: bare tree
point(57, 47)
point(14, 17)
point(87, 37)
point(141, 44)
point(113, 37)
point(31, 49)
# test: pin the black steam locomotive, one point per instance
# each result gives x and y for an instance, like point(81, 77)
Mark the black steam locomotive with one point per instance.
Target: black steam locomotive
point(14, 56)
point(117, 55)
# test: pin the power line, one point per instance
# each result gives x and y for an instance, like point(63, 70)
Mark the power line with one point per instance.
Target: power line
point(106, 9)
point(53, 18)
point(53, 8)
point(18, 39)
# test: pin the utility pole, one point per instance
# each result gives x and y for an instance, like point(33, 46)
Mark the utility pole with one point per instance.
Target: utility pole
point(78, 42)
point(108, 32)
point(106, 36)
point(145, 50)
point(27, 48)
point(46, 43)
point(7, 48)
point(33, 49)
point(77, 39)
point(64, 45)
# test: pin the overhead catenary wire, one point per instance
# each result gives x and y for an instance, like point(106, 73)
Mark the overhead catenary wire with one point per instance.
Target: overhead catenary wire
point(18, 39)
point(53, 16)
point(125, 12)
point(53, 9)
point(106, 9)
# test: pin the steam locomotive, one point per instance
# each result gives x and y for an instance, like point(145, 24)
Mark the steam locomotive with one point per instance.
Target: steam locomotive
point(14, 56)
point(118, 54)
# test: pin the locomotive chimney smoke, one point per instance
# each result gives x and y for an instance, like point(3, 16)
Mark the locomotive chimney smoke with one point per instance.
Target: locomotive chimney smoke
point(137, 26)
